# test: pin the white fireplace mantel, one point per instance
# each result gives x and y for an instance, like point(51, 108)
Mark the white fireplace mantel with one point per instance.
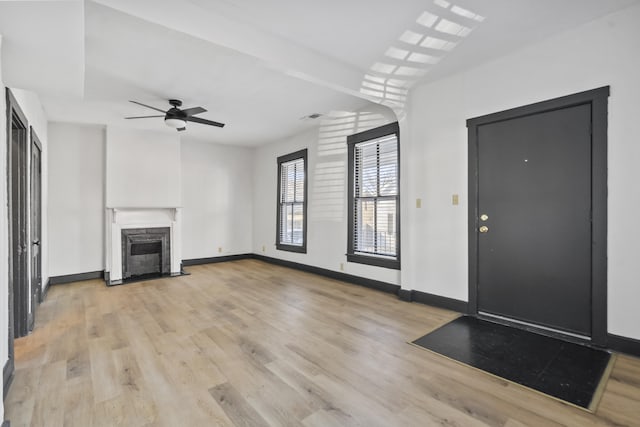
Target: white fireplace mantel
point(119, 218)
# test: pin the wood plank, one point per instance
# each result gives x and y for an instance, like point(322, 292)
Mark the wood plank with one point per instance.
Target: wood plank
point(250, 343)
point(239, 411)
point(104, 379)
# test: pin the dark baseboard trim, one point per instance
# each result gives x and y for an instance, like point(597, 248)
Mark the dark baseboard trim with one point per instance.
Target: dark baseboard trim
point(405, 294)
point(7, 376)
point(211, 260)
point(356, 280)
point(433, 300)
point(624, 345)
point(69, 278)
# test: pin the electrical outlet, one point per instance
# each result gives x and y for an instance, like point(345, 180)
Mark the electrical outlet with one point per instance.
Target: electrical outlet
point(455, 200)
point(342, 266)
point(220, 250)
point(263, 248)
point(418, 203)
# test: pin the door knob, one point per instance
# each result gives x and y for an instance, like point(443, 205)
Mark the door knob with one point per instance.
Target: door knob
point(484, 229)
point(484, 217)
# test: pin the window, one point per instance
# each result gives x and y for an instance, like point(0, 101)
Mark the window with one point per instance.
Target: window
point(374, 197)
point(292, 202)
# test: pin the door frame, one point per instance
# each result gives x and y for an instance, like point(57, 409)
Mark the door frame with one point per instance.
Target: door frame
point(598, 99)
point(13, 108)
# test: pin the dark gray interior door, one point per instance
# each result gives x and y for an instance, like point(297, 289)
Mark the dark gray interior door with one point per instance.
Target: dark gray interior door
point(18, 224)
point(534, 202)
point(36, 222)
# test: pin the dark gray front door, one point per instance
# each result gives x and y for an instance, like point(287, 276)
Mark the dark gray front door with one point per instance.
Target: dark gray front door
point(534, 198)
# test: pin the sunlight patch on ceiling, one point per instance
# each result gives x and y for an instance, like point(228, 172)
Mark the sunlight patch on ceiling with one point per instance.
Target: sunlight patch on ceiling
point(423, 58)
point(419, 48)
point(453, 28)
point(467, 13)
point(383, 68)
point(394, 52)
point(427, 19)
point(411, 37)
point(409, 71)
point(439, 44)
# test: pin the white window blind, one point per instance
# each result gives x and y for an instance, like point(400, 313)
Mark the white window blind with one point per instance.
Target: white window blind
point(292, 202)
point(376, 196)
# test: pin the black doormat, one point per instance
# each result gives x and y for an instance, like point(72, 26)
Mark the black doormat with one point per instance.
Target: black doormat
point(566, 371)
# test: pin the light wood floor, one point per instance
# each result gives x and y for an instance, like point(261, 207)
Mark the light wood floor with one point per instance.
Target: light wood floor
point(247, 343)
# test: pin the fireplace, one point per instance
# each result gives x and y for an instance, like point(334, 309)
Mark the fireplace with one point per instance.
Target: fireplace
point(141, 243)
point(146, 252)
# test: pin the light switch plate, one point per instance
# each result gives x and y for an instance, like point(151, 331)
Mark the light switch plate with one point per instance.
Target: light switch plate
point(454, 200)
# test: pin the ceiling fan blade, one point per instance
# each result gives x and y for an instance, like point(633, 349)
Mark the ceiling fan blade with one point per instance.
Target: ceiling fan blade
point(148, 106)
point(203, 121)
point(181, 129)
point(194, 110)
point(143, 117)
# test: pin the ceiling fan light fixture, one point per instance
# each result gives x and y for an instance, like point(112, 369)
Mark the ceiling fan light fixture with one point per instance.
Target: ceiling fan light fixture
point(175, 123)
point(176, 118)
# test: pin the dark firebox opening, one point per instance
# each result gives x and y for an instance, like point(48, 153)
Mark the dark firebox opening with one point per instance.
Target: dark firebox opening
point(145, 253)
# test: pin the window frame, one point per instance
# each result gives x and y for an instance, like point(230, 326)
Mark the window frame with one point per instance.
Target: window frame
point(352, 255)
point(301, 154)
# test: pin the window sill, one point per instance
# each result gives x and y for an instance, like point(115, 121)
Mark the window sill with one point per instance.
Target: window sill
point(292, 248)
point(375, 261)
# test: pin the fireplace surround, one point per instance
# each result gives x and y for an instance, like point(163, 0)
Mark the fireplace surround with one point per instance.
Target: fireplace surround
point(142, 242)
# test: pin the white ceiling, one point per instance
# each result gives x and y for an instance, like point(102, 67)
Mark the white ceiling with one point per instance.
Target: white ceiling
point(258, 66)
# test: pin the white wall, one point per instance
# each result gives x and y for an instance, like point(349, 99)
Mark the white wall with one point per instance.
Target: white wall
point(216, 199)
point(30, 105)
point(76, 198)
point(327, 193)
point(143, 169)
point(603, 52)
point(215, 187)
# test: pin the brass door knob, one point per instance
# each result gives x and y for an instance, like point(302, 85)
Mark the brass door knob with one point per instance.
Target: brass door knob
point(484, 217)
point(484, 229)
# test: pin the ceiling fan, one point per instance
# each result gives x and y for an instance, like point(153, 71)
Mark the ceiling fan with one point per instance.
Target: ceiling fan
point(177, 118)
